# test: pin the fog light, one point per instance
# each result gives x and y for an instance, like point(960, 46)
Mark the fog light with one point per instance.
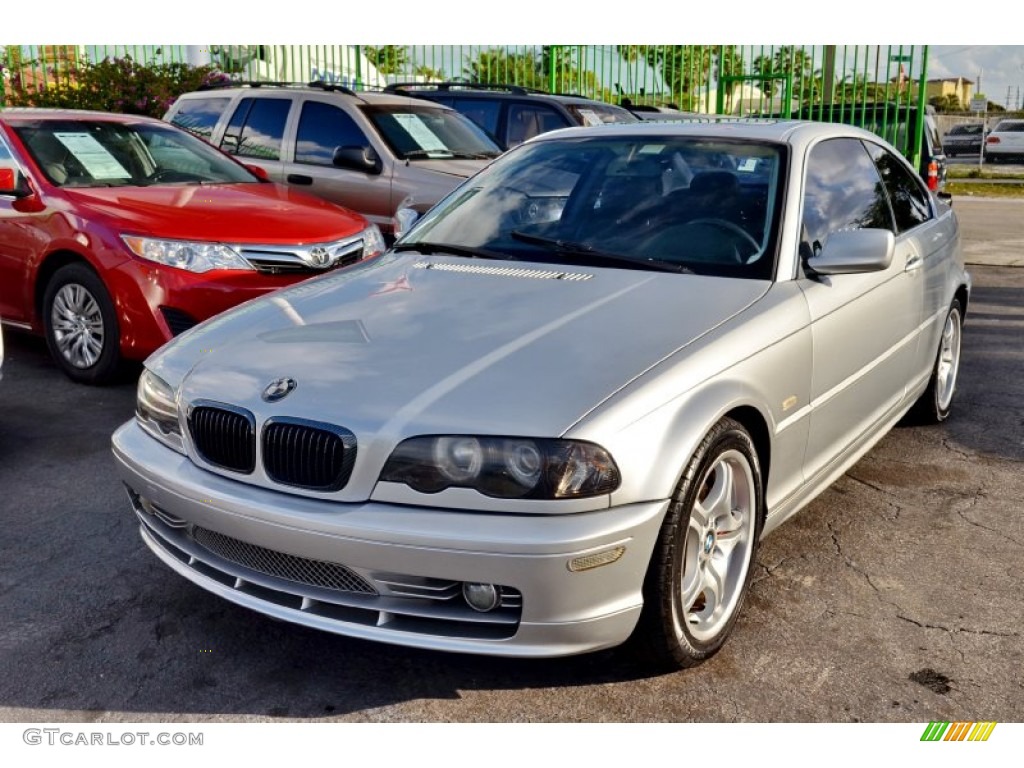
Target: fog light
point(481, 597)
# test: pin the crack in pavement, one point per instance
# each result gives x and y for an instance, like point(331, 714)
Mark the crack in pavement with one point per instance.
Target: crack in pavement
point(972, 502)
point(956, 630)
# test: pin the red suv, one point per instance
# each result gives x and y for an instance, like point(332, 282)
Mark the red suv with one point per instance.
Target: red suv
point(119, 232)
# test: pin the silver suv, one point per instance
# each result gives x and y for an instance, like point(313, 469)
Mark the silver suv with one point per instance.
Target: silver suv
point(370, 152)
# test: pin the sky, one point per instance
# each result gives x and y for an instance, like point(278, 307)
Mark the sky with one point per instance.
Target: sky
point(999, 66)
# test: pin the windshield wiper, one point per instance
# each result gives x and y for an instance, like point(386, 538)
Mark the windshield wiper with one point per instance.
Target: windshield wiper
point(430, 154)
point(475, 155)
point(600, 258)
point(455, 250)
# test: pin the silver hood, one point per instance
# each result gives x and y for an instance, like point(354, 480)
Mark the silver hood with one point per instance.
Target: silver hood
point(409, 344)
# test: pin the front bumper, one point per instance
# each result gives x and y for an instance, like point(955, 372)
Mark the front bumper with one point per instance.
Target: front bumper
point(402, 566)
point(146, 292)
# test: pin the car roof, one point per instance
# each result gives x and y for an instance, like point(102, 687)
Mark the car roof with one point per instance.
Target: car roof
point(497, 90)
point(742, 129)
point(22, 114)
point(366, 97)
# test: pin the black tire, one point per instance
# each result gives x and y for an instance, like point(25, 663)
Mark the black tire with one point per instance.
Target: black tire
point(77, 302)
point(935, 404)
point(668, 634)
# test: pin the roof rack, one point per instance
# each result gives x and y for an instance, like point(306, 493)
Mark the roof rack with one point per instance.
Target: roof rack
point(449, 85)
point(321, 84)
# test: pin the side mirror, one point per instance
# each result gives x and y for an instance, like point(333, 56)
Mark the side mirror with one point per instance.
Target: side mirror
point(854, 251)
point(258, 172)
point(363, 159)
point(403, 220)
point(13, 183)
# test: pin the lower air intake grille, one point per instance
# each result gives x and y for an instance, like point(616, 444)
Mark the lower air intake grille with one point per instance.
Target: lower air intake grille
point(177, 321)
point(315, 573)
point(307, 454)
point(224, 437)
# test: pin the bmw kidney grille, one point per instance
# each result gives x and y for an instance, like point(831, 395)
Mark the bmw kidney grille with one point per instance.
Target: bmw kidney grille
point(295, 452)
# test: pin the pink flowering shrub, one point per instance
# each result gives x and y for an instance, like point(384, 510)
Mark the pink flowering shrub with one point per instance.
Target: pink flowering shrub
point(112, 85)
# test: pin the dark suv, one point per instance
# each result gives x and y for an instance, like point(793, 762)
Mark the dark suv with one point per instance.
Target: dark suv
point(370, 152)
point(511, 114)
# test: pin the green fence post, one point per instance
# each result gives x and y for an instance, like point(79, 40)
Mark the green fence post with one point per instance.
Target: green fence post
point(922, 107)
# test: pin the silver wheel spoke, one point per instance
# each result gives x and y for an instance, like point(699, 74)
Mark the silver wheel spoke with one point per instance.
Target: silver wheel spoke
point(692, 590)
point(714, 583)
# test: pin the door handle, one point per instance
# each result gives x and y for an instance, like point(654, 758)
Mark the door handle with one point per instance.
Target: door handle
point(298, 178)
point(914, 262)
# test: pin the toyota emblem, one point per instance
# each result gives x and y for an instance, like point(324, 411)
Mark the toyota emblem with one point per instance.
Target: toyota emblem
point(320, 256)
point(278, 389)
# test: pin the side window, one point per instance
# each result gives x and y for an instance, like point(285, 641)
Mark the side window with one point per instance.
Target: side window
point(322, 129)
point(909, 200)
point(200, 116)
point(842, 191)
point(257, 128)
point(527, 120)
point(483, 112)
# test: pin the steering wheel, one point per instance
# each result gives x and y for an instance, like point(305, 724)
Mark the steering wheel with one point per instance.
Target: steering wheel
point(733, 229)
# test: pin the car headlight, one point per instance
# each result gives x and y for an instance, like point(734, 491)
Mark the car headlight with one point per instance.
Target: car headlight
point(190, 255)
point(373, 242)
point(503, 467)
point(157, 412)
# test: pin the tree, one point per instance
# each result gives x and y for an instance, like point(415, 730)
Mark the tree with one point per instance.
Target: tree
point(948, 103)
point(388, 59)
point(535, 68)
point(685, 69)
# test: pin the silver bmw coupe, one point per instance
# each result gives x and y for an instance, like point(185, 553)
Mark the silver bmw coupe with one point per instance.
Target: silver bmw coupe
point(561, 413)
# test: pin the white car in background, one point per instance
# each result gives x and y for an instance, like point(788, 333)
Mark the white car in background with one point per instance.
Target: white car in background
point(1005, 142)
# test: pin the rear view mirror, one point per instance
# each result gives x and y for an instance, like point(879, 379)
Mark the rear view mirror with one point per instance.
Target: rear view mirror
point(363, 159)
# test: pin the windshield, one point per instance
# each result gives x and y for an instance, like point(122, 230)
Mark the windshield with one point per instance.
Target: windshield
point(98, 153)
point(426, 132)
point(666, 203)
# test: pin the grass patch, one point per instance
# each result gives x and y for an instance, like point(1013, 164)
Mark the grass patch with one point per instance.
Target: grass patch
point(981, 189)
point(974, 172)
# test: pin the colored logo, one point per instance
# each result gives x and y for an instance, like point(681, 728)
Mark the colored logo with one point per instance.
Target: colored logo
point(958, 731)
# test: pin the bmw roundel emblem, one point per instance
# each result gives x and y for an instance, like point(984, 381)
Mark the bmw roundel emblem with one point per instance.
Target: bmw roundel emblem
point(278, 389)
point(320, 256)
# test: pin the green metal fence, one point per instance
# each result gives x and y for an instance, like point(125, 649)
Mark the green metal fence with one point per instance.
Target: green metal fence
point(831, 83)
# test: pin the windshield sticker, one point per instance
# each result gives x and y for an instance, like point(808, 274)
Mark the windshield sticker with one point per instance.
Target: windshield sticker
point(419, 130)
point(590, 117)
point(93, 156)
point(748, 165)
